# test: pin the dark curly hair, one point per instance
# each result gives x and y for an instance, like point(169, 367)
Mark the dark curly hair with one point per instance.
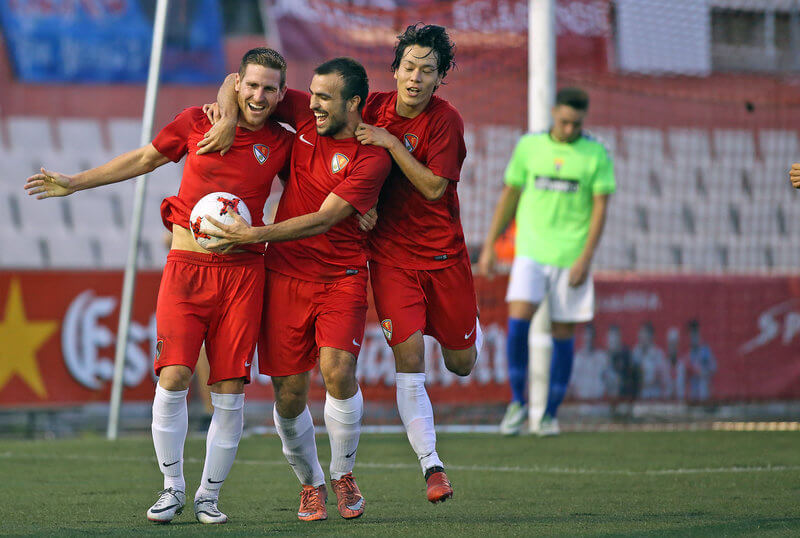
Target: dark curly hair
point(427, 35)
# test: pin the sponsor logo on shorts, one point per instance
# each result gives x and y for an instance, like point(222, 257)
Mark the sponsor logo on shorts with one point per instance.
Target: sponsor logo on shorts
point(410, 140)
point(338, 162)
point(247, 364)
point(261, 152)
point(386, 325)
point(159, 348)
point(356, 343)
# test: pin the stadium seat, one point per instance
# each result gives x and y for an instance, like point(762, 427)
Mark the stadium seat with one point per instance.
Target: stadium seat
point(21, 251)
point(689, 144)
point(786, 257)
point(678, 177)
point(634, 176)
point(658, 254)
point(714, 221)
point(643, 143)
point(29, 134)
point(771, 181)
point(31, 216)
point(81, 135)
point(76, 251)
point(124, 134)
point(758, 220)
point(778, 146)
point(701, 255)
point(736, 144)
point(93, 211)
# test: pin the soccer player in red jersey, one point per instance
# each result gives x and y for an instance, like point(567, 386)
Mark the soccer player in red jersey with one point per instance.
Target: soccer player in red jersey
point(420, 269)
point(204, 295)
point(315, 299)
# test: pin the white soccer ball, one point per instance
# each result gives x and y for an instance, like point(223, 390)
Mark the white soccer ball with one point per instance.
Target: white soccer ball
point(215, 204)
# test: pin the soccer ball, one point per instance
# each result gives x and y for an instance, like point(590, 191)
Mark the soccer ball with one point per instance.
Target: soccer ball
point(215, 204)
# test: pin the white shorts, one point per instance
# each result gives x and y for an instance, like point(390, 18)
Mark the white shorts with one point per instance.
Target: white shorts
point(531, 281)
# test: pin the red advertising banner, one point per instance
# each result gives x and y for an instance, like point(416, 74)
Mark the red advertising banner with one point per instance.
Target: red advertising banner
point(57, 330)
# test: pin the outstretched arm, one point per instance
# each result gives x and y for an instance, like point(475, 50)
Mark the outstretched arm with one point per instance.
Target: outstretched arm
point(132, 164)
point(332, 211)
point(503, 213)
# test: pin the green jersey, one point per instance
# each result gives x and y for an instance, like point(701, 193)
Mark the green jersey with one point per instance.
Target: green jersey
point(558, 181)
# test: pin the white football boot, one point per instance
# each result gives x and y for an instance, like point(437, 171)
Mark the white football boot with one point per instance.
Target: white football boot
point(207, 511)
point(548, 427)
point(169, 504)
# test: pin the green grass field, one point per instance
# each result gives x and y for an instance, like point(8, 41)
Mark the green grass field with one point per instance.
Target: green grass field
point(621, 484)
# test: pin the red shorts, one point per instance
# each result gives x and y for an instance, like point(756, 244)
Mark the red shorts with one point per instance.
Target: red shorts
point(302, 316)
point(211, 298)
point(439, 302)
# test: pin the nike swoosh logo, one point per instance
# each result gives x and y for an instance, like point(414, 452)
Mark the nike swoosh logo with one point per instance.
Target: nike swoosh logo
point(302, 139)
point(356, 343)
point(466, 336)
point(216, 481)
point(247, 364)
point(350, 455)
point(170, 464)
point(159, 510)
point(356, 506)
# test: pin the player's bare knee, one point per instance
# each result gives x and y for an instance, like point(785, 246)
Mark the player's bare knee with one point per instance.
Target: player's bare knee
point(229, 386)
point(291, 394)
point(175, 377)
point(462, 362)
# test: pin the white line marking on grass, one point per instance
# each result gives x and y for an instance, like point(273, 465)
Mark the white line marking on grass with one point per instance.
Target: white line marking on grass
point(474, 468)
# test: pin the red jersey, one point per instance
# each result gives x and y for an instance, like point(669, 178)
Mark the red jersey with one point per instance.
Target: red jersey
point(247, 170)
point(412, 232)
point(322, 165)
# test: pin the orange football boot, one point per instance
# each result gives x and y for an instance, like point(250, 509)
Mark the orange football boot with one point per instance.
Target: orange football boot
point(439, 488)
point(349, 499)
point(312, 503)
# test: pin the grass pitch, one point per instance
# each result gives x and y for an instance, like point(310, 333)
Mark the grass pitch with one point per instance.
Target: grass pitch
point(621, 484)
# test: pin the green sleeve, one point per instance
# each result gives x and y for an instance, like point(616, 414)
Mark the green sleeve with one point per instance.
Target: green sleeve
point(603, 181)
point(515, 171)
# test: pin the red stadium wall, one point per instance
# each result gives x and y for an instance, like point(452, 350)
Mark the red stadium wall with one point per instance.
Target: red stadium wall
point(58, 332)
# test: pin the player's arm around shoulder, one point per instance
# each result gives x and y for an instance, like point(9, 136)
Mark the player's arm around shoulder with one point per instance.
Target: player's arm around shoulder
point(431, 186)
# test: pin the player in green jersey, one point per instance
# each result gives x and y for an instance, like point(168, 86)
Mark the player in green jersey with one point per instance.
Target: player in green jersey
point(557, 185)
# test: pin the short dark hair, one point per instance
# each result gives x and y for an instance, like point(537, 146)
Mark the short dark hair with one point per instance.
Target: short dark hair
point(576, 98)
point(353, 74)
point(266, 58)
point(428, 35)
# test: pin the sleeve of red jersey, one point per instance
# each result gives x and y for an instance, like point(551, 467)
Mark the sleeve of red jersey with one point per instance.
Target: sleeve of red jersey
point(172, 141)
point(364, 182)
point(446, 147)
point(293, 107)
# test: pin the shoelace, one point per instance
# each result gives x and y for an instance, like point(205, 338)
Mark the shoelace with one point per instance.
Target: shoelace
point(311, 498)
point(211, 505)
point(163, 499)
point(348, 485)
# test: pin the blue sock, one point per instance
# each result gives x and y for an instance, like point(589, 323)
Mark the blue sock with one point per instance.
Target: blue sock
point(560, 370)
point(517, 349)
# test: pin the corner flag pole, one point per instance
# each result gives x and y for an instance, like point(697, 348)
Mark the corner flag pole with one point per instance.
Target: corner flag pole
point(541, 96)
point(129, 283)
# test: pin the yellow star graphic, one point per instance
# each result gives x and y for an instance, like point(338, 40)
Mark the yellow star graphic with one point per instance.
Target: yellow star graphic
point(21, 340)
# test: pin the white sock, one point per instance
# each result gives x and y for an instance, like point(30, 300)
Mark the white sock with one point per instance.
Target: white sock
point(478, 339)
point(170, 424)
point(343, 420)
point(300, 446)
point(416, 413)
point(222, 442)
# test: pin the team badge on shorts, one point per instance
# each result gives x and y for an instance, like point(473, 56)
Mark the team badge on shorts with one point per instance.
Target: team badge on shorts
point(261, 152)
point(411, 141)
point(338, 162)
point(386, 325)
point(159, 348)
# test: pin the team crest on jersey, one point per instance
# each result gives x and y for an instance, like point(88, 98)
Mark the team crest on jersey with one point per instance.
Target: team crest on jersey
point(338, 162)
point(411, 141)
point(557, 164)
point(386, 325)
point(261, 152)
